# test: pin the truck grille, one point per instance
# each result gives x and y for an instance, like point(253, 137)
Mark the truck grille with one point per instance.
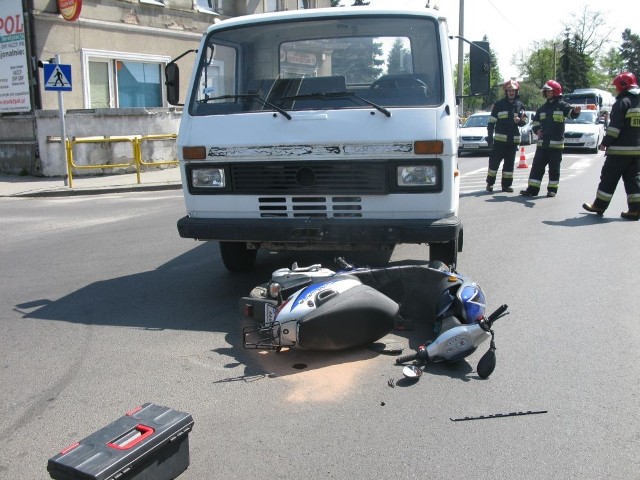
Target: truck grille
point(310, 178)
point(310, 207)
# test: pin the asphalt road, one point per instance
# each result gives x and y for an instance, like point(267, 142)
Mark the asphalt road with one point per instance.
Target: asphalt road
point(104, 308)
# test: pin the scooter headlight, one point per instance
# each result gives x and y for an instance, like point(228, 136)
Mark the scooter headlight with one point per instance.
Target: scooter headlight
point(473, 302)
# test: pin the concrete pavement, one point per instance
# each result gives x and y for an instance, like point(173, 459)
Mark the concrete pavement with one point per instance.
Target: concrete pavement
point(27, 186)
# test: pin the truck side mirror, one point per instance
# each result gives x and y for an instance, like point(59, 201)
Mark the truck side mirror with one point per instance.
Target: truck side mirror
point(172, 83)
point(479, 68)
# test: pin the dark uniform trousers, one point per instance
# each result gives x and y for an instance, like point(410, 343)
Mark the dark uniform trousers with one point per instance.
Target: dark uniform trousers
point(501, 151)
point(613, 168)
point(543, 157)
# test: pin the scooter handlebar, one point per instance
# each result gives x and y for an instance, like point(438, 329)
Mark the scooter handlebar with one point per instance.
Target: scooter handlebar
point(497, 314)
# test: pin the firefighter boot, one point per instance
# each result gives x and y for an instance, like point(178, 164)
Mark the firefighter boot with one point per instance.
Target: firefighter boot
point(590, 207)
point(630, 215)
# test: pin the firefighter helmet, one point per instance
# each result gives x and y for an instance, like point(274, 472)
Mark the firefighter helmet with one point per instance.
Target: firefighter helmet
point(625, 81)
point(553, 86)
point(511, 84)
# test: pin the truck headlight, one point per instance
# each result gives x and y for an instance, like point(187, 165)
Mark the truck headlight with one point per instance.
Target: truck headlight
point(417, 175)
point(210, 177)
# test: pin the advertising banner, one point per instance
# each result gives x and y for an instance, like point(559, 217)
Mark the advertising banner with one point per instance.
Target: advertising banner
point(14, 76)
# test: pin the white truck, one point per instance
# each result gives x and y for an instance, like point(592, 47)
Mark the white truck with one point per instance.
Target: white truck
point(322, 129)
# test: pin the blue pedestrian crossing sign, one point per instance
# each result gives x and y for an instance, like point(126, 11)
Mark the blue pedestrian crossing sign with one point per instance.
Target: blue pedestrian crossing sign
point(57, 77)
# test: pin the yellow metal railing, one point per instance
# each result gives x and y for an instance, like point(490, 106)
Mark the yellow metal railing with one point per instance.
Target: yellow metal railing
point(136, 145)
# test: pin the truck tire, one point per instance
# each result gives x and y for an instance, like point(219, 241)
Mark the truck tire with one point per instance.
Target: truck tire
point(237, 257)
point(446, 253)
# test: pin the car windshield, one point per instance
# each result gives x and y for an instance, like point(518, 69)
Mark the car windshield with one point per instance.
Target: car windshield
point(318, 64)
point(476, 121)
point(585, 117)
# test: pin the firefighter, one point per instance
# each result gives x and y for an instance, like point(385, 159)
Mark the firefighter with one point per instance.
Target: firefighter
point(548, 125)
point(622, 146)
point(503, 135)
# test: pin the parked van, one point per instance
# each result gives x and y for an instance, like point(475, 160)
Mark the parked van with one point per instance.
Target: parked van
point(324, 129)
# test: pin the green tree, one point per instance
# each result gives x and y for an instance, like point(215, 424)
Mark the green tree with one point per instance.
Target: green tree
point(530, 95)
point(612, 63)
point(630, 51)
point(579, 54)
point(362, 63)
point(574, 65)
point(398, 57)
point(537, 65)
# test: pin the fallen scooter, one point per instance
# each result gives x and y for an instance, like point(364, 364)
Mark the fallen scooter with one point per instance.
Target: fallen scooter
point(315, 308)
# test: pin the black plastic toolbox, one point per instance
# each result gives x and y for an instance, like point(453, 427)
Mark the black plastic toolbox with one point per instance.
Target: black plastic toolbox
point(150, 442)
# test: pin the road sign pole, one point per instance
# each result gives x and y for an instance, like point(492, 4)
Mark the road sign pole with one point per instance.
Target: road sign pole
point(63, 132)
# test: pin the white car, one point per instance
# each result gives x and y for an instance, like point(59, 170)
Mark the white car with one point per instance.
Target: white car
point(472, 135)
point(586, 131)
point(526, 132)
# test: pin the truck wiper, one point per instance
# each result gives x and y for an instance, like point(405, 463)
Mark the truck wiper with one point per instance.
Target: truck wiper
point(252, 96)
point(330, 95)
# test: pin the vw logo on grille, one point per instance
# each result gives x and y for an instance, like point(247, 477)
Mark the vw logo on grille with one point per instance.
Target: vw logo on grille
point(305, 177)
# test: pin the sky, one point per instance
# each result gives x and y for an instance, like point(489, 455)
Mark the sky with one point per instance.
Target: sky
point(513, 26)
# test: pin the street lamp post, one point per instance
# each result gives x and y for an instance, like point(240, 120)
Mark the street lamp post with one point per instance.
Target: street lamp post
point(461, 57)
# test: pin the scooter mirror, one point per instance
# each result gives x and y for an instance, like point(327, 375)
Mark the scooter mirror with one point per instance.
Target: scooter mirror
point(412, 371)
point(487, 364)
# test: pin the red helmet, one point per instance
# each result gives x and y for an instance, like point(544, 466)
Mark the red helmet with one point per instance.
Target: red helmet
point(625, 81)
point(554, 86)
point(511, 84)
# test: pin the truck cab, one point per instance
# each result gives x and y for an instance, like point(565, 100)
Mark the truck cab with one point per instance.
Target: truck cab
point(322, 129)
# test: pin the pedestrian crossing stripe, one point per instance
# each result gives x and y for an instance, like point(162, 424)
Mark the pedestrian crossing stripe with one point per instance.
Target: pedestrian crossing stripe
point(57, 77)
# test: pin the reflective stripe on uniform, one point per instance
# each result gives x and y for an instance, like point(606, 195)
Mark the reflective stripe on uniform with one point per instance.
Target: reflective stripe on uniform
point(500, 137)
point(633, 198)
point(613, 132)
point(604, 196)
point(535, 183)
point(624, 151)
point(492, 173)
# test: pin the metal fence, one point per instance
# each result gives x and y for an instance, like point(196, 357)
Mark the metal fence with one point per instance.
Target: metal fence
point(136, 142)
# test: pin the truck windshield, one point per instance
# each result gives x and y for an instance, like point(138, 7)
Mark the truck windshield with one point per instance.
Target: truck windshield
point(319, 64)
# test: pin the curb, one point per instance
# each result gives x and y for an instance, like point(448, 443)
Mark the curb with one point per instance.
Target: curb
point(97, 190)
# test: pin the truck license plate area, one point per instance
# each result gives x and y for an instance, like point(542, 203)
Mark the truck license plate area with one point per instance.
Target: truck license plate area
point(307, 233)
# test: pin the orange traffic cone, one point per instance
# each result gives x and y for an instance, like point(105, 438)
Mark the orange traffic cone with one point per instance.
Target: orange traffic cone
point(523, 159)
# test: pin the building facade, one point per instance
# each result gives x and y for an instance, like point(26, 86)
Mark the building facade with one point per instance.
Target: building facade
point(117, 50)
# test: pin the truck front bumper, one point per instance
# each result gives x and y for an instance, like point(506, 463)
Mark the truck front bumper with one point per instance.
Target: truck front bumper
point(321, 231)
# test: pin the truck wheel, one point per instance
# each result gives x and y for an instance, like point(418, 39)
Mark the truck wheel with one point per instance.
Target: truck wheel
point(446, 253)
point(237, 257)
